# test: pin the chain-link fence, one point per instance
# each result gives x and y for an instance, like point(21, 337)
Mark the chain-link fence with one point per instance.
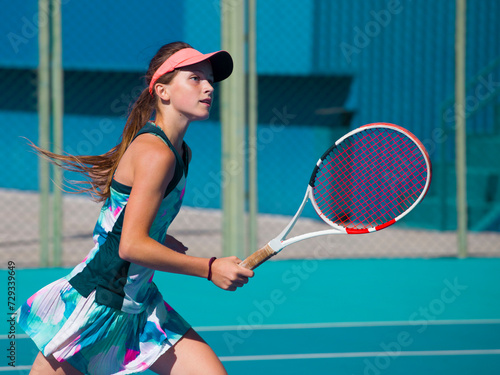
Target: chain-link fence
point(323, 66)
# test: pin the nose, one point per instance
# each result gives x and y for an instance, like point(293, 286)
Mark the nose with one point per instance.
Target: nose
point(208, 87)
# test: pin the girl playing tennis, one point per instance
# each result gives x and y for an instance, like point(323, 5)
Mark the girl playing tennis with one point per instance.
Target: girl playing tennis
point(107, 316)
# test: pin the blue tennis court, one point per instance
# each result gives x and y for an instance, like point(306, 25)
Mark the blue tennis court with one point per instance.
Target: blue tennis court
point(390, 316)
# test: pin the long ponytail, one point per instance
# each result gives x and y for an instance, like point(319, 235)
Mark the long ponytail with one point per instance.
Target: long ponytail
point(98, 170)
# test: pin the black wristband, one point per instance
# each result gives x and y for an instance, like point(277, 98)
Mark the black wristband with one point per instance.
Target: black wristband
point(210, 262)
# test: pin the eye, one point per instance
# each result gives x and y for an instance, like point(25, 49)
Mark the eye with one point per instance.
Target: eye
point(195, 78)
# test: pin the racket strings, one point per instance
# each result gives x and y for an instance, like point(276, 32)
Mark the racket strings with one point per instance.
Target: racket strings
point(370, 178)
point(377, 184)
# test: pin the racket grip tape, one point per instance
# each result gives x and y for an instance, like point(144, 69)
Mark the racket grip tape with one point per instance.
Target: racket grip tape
point(257, 258)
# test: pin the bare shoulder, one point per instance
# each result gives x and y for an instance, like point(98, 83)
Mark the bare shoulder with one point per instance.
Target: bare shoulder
point(147, 155)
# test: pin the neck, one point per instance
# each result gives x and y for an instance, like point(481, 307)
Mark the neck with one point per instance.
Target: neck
point(174, 127)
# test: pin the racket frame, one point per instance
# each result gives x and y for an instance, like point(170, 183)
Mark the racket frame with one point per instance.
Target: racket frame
point(277, 244)
point(384, 125)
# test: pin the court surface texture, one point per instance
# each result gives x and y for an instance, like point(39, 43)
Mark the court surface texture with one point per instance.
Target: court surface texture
point(351, 316)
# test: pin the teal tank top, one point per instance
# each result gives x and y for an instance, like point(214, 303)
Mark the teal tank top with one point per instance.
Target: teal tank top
point(118, 283)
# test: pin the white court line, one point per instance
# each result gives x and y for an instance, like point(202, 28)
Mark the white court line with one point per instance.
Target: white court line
point(274, 357)
point(20, 336)
point(331, 355)
point(329, 325)
point(17, 368)
point(423, 353)
point(348, 324)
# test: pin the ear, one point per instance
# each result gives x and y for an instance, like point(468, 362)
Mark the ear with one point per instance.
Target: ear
point(161, 91)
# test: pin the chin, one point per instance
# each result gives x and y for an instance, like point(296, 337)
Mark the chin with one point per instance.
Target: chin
point(204, 117)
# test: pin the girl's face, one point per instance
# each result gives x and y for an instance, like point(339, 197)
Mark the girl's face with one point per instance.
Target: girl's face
point(190, 91)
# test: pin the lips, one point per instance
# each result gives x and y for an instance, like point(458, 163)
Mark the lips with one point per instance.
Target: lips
point(207, 101)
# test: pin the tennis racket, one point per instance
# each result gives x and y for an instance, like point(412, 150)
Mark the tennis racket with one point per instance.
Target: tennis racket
point(369, 179)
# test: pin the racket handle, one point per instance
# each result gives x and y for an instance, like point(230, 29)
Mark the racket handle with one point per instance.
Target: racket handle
point(259, 257)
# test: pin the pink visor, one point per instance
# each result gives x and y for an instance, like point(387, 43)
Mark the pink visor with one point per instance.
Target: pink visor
point(222, 64)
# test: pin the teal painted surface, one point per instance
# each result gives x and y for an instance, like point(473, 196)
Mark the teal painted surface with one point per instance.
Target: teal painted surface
point(415, 293)
point(312, 291)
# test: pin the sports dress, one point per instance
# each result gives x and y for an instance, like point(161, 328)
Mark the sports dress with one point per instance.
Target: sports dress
point(107, 316)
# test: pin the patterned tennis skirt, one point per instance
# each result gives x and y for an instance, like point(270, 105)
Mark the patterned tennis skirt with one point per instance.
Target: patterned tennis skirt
point(97, 339)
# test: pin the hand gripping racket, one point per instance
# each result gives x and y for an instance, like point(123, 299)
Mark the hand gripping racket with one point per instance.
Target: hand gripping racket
point(369, 179)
